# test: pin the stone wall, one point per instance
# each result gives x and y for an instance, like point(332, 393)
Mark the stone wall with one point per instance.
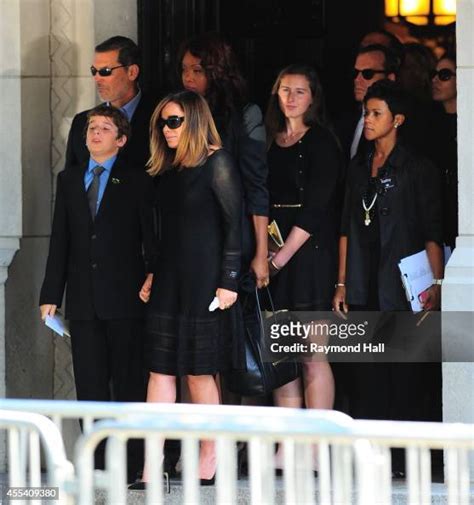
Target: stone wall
point(10, 164)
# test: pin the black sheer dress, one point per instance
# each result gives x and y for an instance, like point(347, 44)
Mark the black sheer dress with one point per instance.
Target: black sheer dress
point(199, 212)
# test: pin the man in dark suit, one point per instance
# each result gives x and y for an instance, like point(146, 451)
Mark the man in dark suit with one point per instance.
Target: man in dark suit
point(373, 63)
point(115, 70)
point(102, 245)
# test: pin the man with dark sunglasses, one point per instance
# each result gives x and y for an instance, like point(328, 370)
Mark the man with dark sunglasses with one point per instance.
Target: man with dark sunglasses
point(115, 70)
point(373, 63)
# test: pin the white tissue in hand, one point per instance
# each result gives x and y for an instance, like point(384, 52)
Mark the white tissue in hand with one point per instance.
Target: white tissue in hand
point(214, 304)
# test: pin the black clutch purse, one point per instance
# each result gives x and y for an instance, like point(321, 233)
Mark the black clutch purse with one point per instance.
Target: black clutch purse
point(260, 376)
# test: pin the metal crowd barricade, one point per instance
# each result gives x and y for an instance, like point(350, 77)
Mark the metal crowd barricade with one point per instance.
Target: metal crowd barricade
point(354, 456)
point(27, 434)
point(301, 431)
point(88, 412)
point(418, 439)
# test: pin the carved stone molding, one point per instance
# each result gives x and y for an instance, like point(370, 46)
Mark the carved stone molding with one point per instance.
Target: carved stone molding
point(72, 89)
point(62, 48)
point(71, 39)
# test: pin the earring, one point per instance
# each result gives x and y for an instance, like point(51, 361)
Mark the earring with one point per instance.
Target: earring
point(396, 125)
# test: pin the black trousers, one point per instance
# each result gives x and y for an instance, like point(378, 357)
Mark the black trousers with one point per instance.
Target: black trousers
point(107, 358)
point(406, 391)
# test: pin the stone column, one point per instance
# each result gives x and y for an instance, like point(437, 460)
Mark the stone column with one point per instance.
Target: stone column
point(458, 288)
point(10, 165)
point(28, 344)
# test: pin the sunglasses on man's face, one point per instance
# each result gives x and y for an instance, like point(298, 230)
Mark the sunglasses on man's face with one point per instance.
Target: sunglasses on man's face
point(367, 73)
point(105, 71)
point(172, 122)
point(444, 74)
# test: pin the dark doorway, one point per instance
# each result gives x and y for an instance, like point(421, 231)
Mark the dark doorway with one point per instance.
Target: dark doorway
point(266, 34)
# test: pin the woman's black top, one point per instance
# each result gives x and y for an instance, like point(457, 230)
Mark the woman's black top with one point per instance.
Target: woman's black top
point(446, 158)
point(408, 214)
point(307, 174)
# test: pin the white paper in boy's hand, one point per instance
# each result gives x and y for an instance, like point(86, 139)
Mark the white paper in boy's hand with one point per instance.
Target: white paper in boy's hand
point(214, 304)
point(58, 324)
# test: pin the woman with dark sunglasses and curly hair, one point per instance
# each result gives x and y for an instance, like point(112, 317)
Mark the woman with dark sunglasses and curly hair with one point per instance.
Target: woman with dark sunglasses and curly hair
point(208, 66)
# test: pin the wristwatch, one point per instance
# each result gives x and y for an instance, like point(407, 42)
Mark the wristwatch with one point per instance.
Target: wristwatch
point(437, 282)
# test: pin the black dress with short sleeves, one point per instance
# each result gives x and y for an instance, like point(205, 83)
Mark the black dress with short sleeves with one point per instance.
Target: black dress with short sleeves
point(199, 227)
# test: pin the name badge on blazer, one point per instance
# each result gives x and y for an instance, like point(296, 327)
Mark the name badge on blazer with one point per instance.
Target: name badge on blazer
point(387, 183)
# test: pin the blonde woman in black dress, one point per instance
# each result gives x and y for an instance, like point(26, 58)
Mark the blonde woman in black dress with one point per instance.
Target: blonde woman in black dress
point(199, 217)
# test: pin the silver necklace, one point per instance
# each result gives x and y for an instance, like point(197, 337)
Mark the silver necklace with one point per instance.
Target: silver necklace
point(291, 136)
point(367, 219)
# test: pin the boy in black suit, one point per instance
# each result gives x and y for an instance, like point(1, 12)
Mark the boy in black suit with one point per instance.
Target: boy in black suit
point(102, 245)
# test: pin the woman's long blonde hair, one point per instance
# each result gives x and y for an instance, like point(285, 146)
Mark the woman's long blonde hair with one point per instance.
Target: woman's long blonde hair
point(198, 135)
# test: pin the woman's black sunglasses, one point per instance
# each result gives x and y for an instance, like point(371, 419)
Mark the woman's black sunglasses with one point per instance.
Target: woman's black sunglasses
point(106, 71)
point(172, 122)
point(444, 74)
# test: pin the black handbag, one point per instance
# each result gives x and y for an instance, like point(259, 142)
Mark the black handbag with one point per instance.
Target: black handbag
point(260, 376)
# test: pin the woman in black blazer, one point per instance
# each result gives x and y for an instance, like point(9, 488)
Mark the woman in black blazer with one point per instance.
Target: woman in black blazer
point(392, 210)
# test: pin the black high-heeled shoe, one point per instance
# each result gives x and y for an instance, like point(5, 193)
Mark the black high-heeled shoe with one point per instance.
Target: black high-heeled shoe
point(207, 482)
point(140, 485)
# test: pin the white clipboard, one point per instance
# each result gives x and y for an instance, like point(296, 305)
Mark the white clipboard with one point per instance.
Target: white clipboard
point(417, 276)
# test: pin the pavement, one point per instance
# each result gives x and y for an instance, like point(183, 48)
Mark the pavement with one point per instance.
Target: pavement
point(208, 494)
